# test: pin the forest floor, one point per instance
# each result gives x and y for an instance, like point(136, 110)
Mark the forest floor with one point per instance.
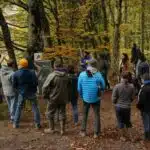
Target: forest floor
point(28, 138)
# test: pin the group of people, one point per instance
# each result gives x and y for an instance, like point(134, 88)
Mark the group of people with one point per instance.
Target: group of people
point(64, 85)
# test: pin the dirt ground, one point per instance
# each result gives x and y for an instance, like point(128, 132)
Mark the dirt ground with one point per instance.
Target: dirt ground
point(28, 138)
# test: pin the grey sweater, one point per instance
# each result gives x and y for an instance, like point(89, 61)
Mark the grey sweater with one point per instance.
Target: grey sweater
point(123, 94)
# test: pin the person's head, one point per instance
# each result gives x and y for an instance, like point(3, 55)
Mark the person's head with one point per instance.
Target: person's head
point(134, 45)
point(71, 69)
point(23, 63)
point(125, 57)
point(58, 64)
point(11, 63)
point(86, 54)
point(125, 77)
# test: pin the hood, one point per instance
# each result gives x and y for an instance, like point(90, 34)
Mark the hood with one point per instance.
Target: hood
point(93, 70)
point(5, 70)
point(59, 73)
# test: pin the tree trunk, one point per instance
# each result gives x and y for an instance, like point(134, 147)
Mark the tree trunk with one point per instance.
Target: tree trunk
point(35, 40)
point(104, 15)
point(7, 38)
point(143, 26)
point(45, 26)
point(116, 40)
point(125, 21)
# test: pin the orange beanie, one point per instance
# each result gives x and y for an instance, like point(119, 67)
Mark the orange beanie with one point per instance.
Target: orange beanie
point(23, 63)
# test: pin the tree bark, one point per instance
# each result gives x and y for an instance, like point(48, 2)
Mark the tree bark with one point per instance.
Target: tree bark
point(7, 38)
point(35, 41)
point(143, 25)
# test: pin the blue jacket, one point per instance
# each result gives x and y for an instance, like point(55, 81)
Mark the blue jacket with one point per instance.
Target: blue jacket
point(89, 87)
point(25, 81)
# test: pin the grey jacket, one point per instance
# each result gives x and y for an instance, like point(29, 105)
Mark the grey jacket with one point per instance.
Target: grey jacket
point(56, 88)
point(5, 75)
point(123, 95)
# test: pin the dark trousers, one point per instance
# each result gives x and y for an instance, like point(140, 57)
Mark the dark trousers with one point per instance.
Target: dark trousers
point(74, 103)
point(53, 108)
point(146, 121)
point(96, 109)
point(123, 117)
point(106, 80)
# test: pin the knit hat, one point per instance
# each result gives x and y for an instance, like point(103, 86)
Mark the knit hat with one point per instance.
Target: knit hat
point(23, 63)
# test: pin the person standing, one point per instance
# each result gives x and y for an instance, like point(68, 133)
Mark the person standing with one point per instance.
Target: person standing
point(25, 82)
point(90, 84)
point(122, 97)
point(143, 105)
point(56, 91)
point(74, 93)
point(6, 74)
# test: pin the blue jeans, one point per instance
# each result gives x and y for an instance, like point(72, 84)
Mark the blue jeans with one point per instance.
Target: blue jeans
point(146, 121)
point(74, 103)
point(123, 117)
point(12, 104)
point(35, 109)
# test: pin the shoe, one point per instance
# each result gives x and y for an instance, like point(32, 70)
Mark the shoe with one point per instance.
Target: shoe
point(38, 126)
point(82, 133)
point(15, 126)
point(49, 131)
point(96, 135)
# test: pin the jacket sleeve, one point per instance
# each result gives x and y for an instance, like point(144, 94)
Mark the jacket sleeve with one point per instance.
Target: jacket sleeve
point(115, 95)
point(46, 88)
point(80, 85)
point(14, 81)
point(101, 82)
point(141, 98)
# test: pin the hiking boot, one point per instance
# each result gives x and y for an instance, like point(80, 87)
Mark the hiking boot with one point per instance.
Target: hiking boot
point(50, 130)
point(82, 133)
point(15, 126)
point(62, 127)
point(38, 126)
point(96, 135)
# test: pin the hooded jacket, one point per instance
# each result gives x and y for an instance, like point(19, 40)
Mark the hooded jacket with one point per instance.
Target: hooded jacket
point(123, 94)
point(89, 87)
point(6, 79)
point(56, 88)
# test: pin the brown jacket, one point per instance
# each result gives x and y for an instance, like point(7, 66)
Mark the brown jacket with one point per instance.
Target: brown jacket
point(56, 88)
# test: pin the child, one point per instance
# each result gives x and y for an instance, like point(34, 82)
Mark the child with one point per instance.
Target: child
point(144, 105)
point(90, 83)
point(122, 97)
point(56, 91)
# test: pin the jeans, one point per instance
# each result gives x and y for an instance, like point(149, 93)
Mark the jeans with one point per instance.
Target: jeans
point(35, 109)
point(146, 121)
point(74, 103)
point(96, 109)
point(123, 117)
point(12, 104)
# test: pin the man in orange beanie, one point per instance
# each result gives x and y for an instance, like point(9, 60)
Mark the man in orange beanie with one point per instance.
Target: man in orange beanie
point(25, 82)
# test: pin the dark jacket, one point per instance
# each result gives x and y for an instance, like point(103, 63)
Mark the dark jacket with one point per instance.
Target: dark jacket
point(143, 68)
point(56, 88)
point(25, 81)
point(143, 99)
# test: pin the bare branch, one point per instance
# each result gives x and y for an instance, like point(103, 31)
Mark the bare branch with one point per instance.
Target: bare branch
point(16, 25)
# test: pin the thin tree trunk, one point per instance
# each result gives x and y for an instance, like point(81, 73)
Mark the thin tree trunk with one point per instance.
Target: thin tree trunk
point(7, 38)
point(125, 20)
point(143, 26)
